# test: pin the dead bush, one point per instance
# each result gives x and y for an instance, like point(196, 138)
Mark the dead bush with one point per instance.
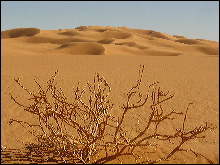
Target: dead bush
point(77, 131)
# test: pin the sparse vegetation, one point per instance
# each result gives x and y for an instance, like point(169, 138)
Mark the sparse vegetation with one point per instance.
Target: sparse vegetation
point(78, 131)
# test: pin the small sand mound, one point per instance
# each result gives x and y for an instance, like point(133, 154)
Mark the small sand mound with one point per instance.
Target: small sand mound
point(178, 36)
point(19, 32)
point(70, 33)
point(158, 35)
point(132, 44)
point(82, 48)
point(102, 30)
point(106, 41)
point(116, 34)
point(208, 50)
point(207, 41)
point(139, 31)
point(81, 28)
point(188, 41)
point(80, 39)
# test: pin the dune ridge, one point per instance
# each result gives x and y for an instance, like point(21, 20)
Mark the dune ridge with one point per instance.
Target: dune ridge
point(121, 40)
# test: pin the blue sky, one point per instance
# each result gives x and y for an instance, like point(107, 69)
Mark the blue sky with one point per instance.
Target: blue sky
point(192, 19)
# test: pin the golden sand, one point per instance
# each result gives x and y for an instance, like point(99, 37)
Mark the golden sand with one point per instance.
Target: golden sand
point(187, 67)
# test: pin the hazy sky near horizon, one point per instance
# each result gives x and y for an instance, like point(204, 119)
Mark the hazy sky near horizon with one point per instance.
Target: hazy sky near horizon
point(192, 19)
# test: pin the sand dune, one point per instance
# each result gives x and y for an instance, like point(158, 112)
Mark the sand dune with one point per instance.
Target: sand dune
point(19, 32)
point(187, 67)
point(82, 48)
point(116, 38)
point(70, 33)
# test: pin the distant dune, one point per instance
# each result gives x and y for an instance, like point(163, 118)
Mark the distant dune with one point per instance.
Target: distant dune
point(19, 32)
point(98, 40)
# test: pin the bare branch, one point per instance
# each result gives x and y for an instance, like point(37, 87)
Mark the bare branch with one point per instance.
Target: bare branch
point(76, 132)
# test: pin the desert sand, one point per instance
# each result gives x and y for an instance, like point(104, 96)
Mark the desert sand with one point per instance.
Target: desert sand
point(187, 67)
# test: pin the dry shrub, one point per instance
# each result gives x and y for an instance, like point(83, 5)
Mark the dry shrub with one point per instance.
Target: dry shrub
point(77, 131)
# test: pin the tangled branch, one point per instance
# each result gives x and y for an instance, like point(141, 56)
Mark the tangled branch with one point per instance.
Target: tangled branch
point(75, 132)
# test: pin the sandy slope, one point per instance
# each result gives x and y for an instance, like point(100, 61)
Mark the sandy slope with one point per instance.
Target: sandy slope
point(188, 67)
